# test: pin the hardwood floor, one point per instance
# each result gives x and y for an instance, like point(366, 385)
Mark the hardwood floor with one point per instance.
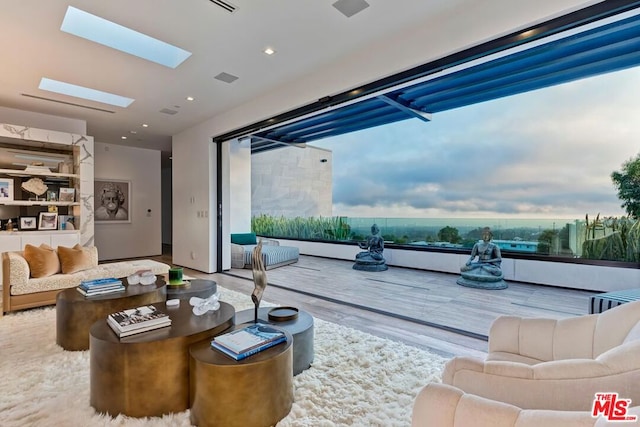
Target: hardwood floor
point(420, 308)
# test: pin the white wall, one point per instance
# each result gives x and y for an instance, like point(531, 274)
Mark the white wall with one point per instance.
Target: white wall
point(194, 199)
point(142, 236)
point(442, 35)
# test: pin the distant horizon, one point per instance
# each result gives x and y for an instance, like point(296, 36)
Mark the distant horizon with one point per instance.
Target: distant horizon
point(493, 223)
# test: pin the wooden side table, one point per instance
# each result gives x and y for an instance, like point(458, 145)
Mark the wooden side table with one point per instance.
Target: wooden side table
point(147, 374)
point(75, 313)
point(256, 391)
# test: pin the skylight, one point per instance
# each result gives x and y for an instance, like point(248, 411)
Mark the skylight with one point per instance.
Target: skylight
point(99, 30)
point(84, 92)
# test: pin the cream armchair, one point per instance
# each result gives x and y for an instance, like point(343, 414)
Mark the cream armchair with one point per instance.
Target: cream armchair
point(556, 364)
point(441, 405)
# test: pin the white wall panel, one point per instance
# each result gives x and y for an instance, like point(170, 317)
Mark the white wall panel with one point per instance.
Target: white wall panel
point(194, 199)
point(143, 235)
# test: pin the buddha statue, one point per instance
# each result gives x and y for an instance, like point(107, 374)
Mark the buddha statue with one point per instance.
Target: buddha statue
point(486, 271)
point(371, 258)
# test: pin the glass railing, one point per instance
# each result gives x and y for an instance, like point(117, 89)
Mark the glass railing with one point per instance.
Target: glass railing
point(611, 239)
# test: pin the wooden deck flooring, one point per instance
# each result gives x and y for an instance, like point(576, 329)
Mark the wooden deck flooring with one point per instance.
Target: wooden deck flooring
point(421, 308)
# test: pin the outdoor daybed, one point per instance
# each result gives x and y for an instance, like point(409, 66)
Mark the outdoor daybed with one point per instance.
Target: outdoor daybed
point(35, 276)
point(273, 254)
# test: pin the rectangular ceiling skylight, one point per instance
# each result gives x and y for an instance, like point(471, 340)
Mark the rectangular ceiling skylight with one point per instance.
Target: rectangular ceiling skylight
point(84, 92)
point(99, 30)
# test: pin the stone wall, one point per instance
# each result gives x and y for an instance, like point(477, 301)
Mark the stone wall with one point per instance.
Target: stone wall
point(292, 182)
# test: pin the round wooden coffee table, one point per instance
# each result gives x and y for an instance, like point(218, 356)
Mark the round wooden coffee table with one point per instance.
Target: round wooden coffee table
point(75, 313)
point(256, 391)
point(147, 374)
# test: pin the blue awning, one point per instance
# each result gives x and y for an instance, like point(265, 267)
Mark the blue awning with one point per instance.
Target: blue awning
point(579, 54)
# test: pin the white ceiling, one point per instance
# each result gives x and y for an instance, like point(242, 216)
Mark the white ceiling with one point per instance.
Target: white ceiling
point(305, 33)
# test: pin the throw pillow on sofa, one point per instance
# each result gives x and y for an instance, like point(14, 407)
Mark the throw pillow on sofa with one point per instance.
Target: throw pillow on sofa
point(74, 259)
point(43, 261)
point(244, 238)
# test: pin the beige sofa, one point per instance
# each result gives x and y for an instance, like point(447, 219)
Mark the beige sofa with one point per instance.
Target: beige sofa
point(441, 405)
point(536, 363)
point(20, 290)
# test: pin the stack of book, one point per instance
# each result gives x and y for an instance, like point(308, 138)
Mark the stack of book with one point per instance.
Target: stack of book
point(136, 320)
point(249, 340)
point(100, 286)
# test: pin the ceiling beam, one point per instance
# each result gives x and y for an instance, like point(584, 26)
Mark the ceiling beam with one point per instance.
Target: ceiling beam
point(425, 117)
point(259, 143)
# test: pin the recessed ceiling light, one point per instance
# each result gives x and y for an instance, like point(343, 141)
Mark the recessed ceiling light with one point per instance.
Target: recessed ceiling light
point(84, 92)
point(190, 98)
point(123, 137)
point(144, 125)
point(107, 33)
point(269, 51)
point(133, 132)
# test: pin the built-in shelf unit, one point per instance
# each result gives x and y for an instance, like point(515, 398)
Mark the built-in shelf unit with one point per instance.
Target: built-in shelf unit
point(39, 144)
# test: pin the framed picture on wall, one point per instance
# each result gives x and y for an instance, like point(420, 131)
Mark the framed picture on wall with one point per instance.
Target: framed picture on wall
point(6, 189)
point(113, 201)
point(48, 221)
point(28, 223)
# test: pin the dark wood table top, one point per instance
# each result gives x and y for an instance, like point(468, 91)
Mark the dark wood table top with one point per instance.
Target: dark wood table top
point(183, 323)
point(72, 295)
point(75, 313)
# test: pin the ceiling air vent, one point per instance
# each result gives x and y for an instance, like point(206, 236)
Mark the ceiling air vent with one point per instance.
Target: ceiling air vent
point(350, 7)
point(67, 103)
point(226, 77)
point(225, 5)
point(168, 111)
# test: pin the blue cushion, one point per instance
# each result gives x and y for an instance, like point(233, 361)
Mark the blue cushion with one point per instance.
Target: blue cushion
point(244, 238)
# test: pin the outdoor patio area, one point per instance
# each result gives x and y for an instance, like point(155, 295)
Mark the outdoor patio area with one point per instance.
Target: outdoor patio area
point(422, 308)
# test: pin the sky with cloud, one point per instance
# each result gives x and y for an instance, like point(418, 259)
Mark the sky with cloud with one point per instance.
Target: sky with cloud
point(543, 154)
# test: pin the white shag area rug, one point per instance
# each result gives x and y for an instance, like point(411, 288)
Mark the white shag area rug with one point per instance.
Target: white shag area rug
point(356, 379)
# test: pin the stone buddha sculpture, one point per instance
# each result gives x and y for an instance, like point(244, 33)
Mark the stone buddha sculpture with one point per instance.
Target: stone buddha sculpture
point(486, 271)
point(371, 259)
point(374, 245)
